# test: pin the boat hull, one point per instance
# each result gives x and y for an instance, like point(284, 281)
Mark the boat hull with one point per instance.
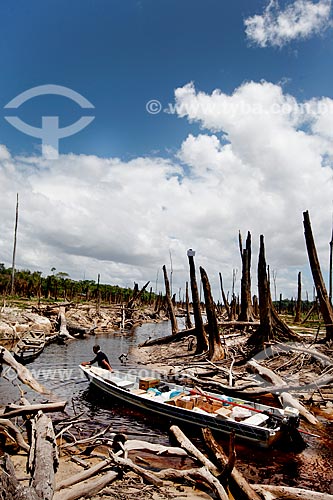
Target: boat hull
point(263, 437)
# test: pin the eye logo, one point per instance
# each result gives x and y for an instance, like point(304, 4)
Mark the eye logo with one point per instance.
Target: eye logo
point(50, 133)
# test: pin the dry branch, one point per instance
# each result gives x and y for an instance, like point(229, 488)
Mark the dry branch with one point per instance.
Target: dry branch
point(22, 372)
point(86, 489)
point(15, 432)
point(238, 484)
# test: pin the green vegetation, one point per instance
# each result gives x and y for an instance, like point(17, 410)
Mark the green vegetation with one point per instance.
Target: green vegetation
point(59, 286)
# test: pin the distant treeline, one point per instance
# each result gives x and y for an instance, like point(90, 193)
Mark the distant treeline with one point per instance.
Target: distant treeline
point(59, 286)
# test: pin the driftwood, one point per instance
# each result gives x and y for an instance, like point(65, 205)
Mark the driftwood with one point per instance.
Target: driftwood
point(288, 493)
point(22, 372)
point(192, 450)
point(86, 489)
point(10, 488)
point(86, 474)
point(136, 444)
point(149, 477)
point(238, 484)
point(169, 338)
point(202, 475)
point(43, 456)
point(15, 410)
point(15, 433)
point(63, 331)
point(288, 400)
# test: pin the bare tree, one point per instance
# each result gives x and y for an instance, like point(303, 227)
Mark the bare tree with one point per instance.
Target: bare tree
point(172, 316)
point(299, 299)
point(216, 351)
point(271, 326)
point(325, 305)
point(202, 341)
point(246, 309)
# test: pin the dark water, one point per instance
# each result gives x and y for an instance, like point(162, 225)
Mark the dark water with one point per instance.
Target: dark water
point(57, 369)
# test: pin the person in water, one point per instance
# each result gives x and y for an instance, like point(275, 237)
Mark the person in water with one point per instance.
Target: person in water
point(100, 358)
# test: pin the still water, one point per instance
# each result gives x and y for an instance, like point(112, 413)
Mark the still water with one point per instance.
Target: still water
point(57, 368)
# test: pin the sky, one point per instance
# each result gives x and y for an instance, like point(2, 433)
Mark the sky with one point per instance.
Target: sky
point(206, 118)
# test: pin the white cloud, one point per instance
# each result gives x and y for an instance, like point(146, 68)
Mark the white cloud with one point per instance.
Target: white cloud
point(262, 160)
point(299, 20)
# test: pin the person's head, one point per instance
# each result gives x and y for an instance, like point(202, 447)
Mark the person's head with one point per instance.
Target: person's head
point(96, 348)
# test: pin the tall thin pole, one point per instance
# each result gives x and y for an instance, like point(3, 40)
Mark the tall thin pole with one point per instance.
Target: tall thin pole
point(14, 247)
point(331, 269)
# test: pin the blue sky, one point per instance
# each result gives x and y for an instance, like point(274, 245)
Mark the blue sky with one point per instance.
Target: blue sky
point(203, 160)
point(121, 54)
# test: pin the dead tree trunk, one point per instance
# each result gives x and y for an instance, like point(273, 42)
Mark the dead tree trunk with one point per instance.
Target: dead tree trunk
point(246, 312)
point(225, 300)
point(216, 351)
point(202, 341)
point(12, 287)
point(271, 326)
point(171, 311)
point(299, 300)
point(134, 300)
point(325, 306)
point(188, 316)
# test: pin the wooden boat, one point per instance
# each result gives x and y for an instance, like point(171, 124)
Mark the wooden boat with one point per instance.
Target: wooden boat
point(260, 424)
point(29, 346)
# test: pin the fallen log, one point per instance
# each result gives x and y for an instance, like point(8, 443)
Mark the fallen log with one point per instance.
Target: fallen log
point(81, 476)
point(169, 338)
point(202, 475)
point(192, 450)
point(288, 400)
point(148, 476)
point(43, 456)
point(289, 493)
point(16, 410)
point(269, 375)
point(136, 444)
point(86, 489)
point(22, 372)
point(237, 482)
point(15, 433)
